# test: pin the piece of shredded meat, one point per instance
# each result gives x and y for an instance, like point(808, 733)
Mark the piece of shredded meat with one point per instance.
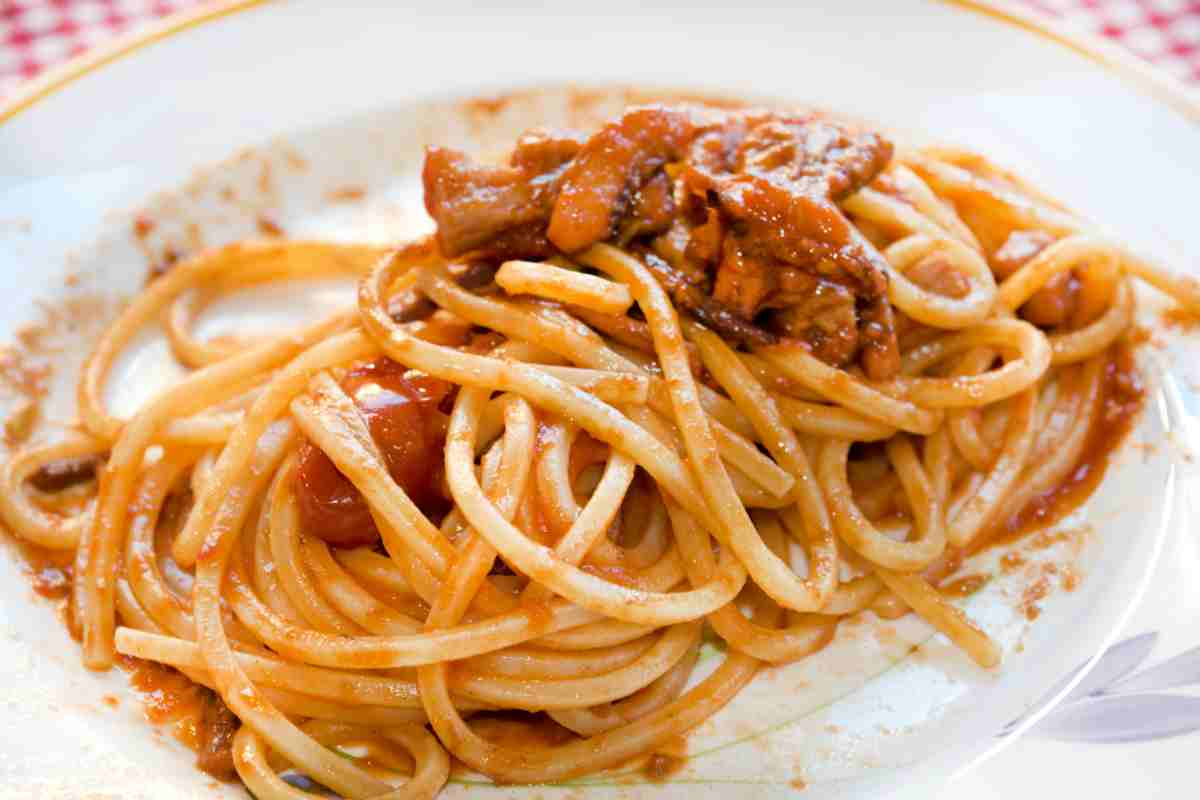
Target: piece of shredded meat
point(781, 182)
point(705, 308)
point(214, 752)
point(476, 205)
point(1017, 250)
point(822, 316)
point(743, 281)
point(652, 211)
point(59, 475)
point(735, 212)
point(611, 167)
point(1053, 304)
point(935, 273)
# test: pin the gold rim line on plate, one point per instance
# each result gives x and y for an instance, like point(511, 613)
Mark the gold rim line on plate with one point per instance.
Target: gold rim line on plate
point(1114, 58)
point(120, 46)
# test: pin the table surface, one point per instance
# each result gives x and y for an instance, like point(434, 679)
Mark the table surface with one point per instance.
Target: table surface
point(38, 34)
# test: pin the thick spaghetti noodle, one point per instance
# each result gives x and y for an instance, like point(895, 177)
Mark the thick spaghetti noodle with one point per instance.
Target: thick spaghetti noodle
point(736, 369)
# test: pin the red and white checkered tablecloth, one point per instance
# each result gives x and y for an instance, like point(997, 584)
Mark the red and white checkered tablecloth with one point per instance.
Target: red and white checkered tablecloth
point(36, 34)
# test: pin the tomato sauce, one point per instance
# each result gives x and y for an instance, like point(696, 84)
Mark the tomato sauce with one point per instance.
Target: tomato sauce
point(965, 586)
point(661, 767)
point(515, 729)
point(1121, 399)
point(167, 694)
point(51, 573)
point(668, 760)
point(198, 718)
point(401, 410)
point(1181, 318)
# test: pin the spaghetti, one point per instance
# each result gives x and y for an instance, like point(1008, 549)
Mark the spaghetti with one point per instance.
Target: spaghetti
point(740, 370)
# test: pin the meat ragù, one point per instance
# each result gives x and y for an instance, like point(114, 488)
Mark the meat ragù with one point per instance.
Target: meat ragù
point(735, 212)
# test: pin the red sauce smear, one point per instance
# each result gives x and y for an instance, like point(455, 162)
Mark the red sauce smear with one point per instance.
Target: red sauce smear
point(1033, 595)
point(614, 573)
point(267, 226)
point(167, 694)
point(965, 586)
point(661, 767)
point(668, 761)
point(401, 409)
point(199, 718)
point(51, 570)
point(520, 729)
point(1121, 398)
point(51, 574)
point(1181, 318)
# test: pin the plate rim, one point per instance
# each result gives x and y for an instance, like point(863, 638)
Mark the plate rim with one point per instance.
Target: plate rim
point(1124, 65)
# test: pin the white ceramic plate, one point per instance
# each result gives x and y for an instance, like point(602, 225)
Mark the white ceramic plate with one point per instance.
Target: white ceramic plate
point(318, 100)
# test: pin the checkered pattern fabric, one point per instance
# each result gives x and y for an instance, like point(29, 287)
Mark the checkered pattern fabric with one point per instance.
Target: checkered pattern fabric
point(1164, 32)
point(36, 34)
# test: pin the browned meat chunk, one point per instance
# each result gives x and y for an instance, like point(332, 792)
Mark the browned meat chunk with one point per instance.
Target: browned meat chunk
point(653, 209)
point(781, 184)
point(473, 204)
point(735, 213)
point(612, 166)
point(743, 281)
point(935, 273)
point(691, 298)
point(59, 475)
point(704, 243)
point(778, 180)
point(820, 314)
point(634, 333)
point(877, 331)
point(673, 247)
point(523, 242)
point(1017, 249)
point(474, 274)
point(540, 152)
point(410, 306)
point(1052, 305)
point(214, 753)
point(812, 156)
